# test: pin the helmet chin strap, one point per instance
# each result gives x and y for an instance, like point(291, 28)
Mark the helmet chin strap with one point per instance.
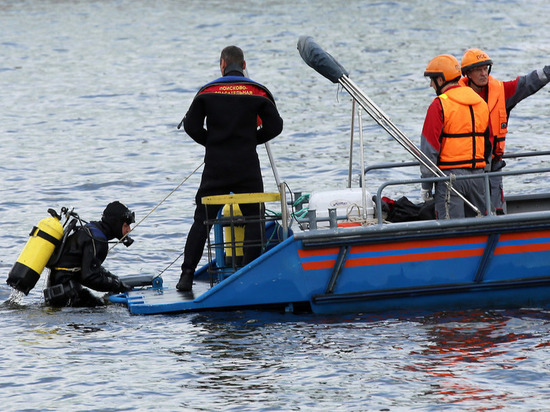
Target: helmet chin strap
point(438, 88)
point(445, 83)
point(474, 83)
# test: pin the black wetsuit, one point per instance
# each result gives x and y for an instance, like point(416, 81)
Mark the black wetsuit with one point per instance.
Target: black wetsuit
point(232, 106)
point(80, 265)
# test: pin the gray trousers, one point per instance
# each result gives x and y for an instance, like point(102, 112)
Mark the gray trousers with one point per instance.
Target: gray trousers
point(497, 193)
point(472, 189)
point(497, 190)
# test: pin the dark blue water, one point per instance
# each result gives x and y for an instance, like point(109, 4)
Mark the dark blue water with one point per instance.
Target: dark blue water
point(90, 96)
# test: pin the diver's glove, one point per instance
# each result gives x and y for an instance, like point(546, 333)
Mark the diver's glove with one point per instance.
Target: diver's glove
point(122, 287)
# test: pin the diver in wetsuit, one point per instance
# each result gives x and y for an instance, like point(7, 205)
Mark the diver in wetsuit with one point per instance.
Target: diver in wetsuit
point(80, 264)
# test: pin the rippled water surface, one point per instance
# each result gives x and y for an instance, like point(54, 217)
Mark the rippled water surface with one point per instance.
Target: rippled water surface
point(90, 96)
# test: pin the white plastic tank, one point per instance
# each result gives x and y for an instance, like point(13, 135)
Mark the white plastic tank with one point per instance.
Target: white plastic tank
point(347, 202)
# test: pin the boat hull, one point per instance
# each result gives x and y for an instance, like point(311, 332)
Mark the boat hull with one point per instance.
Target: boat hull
point(490, 262)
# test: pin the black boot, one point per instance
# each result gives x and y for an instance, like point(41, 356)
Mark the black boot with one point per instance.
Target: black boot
point(185, 283)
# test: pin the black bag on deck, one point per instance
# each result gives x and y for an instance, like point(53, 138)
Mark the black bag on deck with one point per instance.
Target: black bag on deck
point(404, 210)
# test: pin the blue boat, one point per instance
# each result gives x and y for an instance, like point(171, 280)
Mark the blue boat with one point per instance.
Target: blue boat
point(343, 256)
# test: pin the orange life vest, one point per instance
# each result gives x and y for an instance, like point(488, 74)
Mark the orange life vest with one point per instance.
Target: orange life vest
point(496, 100)
point(465, 121)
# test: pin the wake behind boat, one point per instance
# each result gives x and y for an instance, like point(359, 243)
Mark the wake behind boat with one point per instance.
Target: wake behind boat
point(338, 251)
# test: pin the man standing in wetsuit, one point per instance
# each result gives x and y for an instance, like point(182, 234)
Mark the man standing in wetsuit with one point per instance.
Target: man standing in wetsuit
point(240, 115)
point(79, 265)
point(501, 97)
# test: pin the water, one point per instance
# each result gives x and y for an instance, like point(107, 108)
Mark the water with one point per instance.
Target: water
point(90, 94)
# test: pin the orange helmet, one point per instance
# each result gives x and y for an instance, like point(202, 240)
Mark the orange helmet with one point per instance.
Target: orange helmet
point(445, 66)
point(474, 58)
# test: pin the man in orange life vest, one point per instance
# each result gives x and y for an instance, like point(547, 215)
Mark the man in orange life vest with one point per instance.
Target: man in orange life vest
point(240, 114)
point(455, 136)
point(501, 98)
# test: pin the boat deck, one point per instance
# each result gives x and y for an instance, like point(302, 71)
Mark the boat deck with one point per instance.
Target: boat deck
point(166, 295)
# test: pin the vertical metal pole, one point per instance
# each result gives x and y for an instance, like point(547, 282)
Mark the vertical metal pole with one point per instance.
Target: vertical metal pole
point(351, 142)
point(312, 217)
point(273, 166)
point(363, 188)
point(332, 218)
point(282, 191)
point(284, 213)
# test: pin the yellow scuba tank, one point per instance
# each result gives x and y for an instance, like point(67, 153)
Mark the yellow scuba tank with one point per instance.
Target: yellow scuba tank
point(236, 243)
point(35, 255)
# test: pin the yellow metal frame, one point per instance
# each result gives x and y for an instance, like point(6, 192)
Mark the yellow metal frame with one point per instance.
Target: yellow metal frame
point(233, 234)
point(241, 198)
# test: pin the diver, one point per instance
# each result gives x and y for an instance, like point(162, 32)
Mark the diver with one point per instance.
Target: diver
point(78, 265)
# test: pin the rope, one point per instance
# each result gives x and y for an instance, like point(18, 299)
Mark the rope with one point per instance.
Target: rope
point(169, 266)
point(357, 218)
point(156, 207)
point(152, 210)
point(452, 178)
